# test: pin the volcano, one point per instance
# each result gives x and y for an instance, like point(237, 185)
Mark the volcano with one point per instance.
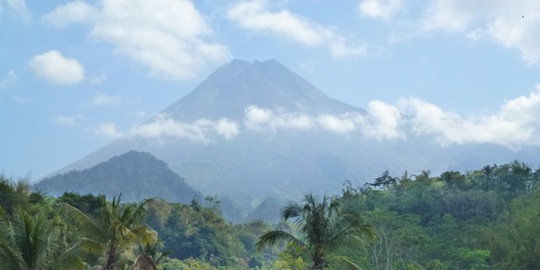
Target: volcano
point(256, 130)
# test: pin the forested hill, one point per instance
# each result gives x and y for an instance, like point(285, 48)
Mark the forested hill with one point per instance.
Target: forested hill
point(135, 175)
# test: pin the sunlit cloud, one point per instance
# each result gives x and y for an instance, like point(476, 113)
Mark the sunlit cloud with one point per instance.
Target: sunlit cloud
point(512, 24)
point(379, 9)
point(73, 12)
point(256, 16)
point(177, 44)
point(55, 68)
point(514, 126)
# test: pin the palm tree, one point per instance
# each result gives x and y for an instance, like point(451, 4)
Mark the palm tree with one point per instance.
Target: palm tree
point(117, 228)
point(31, 242)
point(321, 227)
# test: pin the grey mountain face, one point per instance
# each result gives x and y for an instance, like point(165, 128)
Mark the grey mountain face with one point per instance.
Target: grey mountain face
point(239, 84)
point(254, 163)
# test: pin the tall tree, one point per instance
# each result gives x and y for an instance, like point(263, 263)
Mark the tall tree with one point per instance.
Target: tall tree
point(321, 227)
point(117, 228)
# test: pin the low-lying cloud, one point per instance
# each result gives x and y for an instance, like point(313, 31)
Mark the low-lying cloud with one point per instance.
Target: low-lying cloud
point(514, 125)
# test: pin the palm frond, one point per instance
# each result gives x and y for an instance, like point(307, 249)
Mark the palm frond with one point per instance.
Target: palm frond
point(70, 259)
point(86, 224)
point(276, 237)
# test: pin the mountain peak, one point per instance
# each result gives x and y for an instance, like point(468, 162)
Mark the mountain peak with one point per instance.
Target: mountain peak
point(239, 84)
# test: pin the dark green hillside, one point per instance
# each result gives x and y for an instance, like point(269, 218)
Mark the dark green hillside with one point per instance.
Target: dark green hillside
point(136, 175)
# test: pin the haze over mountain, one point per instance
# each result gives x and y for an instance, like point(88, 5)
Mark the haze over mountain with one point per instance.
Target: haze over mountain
point(252, 130)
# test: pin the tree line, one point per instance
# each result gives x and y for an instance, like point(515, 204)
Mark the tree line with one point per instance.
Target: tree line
point(481, 219)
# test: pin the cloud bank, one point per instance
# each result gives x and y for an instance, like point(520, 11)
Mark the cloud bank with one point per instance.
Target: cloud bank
point(55, 68)
point(515, 125)
point(170, 37)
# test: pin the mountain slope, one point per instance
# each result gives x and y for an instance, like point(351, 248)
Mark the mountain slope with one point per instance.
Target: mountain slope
point(239, 84)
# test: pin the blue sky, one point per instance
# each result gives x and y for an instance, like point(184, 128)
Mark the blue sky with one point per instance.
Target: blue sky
point(75, 75)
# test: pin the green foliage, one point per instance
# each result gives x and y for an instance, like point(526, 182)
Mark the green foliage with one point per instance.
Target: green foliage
point(482, 219)
point(116, 229)
point(321, 227)
point(31, 242)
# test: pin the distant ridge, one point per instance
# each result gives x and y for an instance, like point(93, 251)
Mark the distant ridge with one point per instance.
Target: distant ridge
point(135, 175)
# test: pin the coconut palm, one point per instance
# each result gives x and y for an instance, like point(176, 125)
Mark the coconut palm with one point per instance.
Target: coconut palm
point(31, 242)
point(321, 226)
point(117, 229)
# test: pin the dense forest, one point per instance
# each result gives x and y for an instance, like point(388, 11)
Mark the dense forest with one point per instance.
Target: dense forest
point(481, 219)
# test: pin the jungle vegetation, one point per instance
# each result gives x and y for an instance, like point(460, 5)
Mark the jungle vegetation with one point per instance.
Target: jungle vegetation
point(481, 219)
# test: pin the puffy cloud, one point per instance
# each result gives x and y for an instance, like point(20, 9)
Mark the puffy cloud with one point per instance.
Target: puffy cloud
point(379, 9)
point(515, 125)
point(173, 44)
point(512, 24)
point(73, 12)
point(8, 79)
point(383, 121)
point(255, 16)
point(55, 68)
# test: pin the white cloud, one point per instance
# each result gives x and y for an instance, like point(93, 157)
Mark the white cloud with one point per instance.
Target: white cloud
point(170, 37)
point(336, 123)
point(202, 130)
point(74, 12)
point(515, 125)
point(260, 118)
point(379, 9)
point(255, 16)
point(383, 121)
point(68, 121)
point(54, 67)
point(103, 100)
point(8, 80)
point(512, 24)
point(109, 130)
point(18, 6)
